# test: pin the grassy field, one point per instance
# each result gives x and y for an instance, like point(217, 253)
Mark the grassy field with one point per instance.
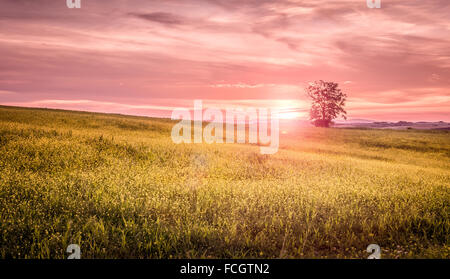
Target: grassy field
point(118, 187)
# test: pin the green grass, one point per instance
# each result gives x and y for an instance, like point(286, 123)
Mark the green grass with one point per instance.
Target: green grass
point(118, 187)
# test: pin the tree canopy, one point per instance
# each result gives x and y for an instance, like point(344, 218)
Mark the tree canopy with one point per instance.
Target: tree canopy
point(328, 102)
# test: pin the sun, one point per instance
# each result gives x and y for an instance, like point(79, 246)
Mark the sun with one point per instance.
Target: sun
point(290, 109)
point(289, 115)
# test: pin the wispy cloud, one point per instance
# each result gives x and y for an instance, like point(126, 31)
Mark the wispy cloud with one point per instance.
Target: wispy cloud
point(242, 85)
point(160, 17)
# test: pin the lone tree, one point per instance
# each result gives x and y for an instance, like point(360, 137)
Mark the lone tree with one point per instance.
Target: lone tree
point(328, 102)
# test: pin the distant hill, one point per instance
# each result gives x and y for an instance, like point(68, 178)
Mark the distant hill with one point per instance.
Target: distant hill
point(399, 125)
point(354, 120)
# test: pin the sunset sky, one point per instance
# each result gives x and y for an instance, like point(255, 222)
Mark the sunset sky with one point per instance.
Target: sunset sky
point(149, 57)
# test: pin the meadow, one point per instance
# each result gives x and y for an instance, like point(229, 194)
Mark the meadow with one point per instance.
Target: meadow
point(120, 188)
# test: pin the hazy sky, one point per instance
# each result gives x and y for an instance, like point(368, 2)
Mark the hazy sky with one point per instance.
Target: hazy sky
point(147, 57)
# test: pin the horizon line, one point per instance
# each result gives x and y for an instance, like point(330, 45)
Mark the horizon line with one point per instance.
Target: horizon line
point(339, 121)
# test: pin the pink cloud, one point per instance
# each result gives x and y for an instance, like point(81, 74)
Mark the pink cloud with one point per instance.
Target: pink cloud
point(121, 55)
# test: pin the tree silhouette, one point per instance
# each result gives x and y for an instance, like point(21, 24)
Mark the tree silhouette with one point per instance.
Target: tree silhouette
point(328, 102)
